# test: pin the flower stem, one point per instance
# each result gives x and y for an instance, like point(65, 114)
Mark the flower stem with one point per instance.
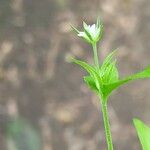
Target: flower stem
point(104, 105)
point(107, 126)
point(94, 45)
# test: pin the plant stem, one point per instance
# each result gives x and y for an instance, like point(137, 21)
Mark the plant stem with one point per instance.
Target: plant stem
point(104, 105)
point(95, 55)
point(107, 126)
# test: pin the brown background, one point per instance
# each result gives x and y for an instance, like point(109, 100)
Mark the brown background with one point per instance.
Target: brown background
point(39, 85)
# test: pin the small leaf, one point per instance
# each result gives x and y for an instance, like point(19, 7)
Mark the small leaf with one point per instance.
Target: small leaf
point(143, 132)
point(90, 82)
point(91, 70)
point(108, 88)
point(110, 74)
point(108, 60)
point(108, 70)
point(144, 74)
point(75, 29)
point(114, 75)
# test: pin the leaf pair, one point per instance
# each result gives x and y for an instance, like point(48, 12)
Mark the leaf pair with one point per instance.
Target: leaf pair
point(143, 133)
point(106, 79)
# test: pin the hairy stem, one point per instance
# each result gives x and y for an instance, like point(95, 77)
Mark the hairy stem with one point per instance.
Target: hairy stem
point(95, 55)
point(107, 126)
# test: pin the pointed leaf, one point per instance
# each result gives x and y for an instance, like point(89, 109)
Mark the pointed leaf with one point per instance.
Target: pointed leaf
point(108, 70)
point(90, 82)
point(110, 73)
point(108, 88)
point(143, 132)
point(108, 60)
point(91, 70)
point(75, 29)
point(144, 74)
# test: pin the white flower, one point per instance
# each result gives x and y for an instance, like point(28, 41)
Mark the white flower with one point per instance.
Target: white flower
point(91, 33)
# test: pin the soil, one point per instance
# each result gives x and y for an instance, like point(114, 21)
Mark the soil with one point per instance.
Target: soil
point(37, 84)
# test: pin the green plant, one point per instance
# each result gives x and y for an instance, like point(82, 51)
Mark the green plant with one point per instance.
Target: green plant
point(103, 78)
point(143, 133)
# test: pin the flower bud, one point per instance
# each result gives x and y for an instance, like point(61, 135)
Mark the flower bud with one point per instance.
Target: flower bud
point(92, 33)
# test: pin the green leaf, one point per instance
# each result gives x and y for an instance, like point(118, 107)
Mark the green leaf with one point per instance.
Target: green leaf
point(143, 132)
point(91, 83)
point(91, 70)
point(108, 88)
point(74, 29)
point(108, 60)
point(108, 70)
point(21, 135)
point(110, 74)
point(113, 75)
point(144, 74)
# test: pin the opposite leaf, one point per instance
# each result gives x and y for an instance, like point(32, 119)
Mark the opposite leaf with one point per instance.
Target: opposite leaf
point(108, 88)
point(143, 133)
point(106, 79)
point(108, 70)
point(91, 70)
point(90, 82)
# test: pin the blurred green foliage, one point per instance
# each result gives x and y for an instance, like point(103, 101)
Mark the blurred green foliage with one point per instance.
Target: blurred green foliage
point(22, 136)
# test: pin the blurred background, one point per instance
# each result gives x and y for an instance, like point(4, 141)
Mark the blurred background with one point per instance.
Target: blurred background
point(44, 104)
